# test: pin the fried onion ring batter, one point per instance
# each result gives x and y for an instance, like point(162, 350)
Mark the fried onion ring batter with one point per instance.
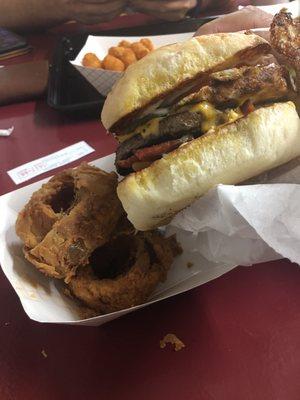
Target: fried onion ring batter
point(124, 272)
point(68, 218)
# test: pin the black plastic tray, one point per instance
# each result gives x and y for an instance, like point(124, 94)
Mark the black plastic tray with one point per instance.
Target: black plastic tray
point(68, 90)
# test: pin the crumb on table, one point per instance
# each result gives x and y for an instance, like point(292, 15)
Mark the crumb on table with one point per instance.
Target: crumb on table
point(173, 340)
point(189, 264)
point(45, 355)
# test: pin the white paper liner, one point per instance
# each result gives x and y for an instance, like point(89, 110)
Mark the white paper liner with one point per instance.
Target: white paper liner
point(103, 80)
point(230, 226)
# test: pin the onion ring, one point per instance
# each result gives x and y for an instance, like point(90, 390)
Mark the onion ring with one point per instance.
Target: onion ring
point(124, 272)
point(68, 218)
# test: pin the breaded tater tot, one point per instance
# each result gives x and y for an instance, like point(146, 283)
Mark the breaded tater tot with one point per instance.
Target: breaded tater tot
point(126, 55)
point(147, 43)
point(113, 63)
point(140, 50)
point(124, 43)
point(116, 51)
point(129, 57)
point(91, 60)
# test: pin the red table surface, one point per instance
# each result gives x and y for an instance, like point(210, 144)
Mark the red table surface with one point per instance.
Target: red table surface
point(242, 330)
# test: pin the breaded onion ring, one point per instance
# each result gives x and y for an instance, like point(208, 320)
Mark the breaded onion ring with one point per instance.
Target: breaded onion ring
point(68, 218)
point(124, 272)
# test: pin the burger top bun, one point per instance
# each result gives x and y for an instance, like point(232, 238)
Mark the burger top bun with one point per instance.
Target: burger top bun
point(174, 69)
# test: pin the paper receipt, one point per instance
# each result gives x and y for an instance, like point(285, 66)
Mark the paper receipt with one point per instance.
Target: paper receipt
point(62, 157)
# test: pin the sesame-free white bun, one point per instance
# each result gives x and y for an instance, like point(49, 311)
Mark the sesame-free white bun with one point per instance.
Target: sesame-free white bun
point(169, 68)
point(229, 154)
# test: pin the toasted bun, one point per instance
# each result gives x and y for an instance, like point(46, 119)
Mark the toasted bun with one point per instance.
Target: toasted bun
point(232, 153)
point(168, 68)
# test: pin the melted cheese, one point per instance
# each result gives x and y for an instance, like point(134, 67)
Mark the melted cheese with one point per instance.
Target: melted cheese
point(233, 115)
point(122, 138)
point(205, 108)
point(211, 118)
point(209, 114)
point(150, 128)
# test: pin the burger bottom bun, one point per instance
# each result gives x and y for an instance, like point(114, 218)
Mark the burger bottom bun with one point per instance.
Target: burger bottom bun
point(229, 154)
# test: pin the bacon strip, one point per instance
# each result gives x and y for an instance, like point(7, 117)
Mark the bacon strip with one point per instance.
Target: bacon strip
point(126, 164)
point(156, 151)
point(151, 153)
point(247, 107)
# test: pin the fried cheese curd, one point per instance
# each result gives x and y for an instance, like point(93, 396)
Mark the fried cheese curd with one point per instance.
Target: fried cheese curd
point(74, 228)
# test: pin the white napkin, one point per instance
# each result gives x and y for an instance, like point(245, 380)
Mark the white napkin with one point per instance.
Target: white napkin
point(244, 225)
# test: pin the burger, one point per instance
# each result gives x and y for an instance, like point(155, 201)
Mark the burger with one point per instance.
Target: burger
point(213, 109)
